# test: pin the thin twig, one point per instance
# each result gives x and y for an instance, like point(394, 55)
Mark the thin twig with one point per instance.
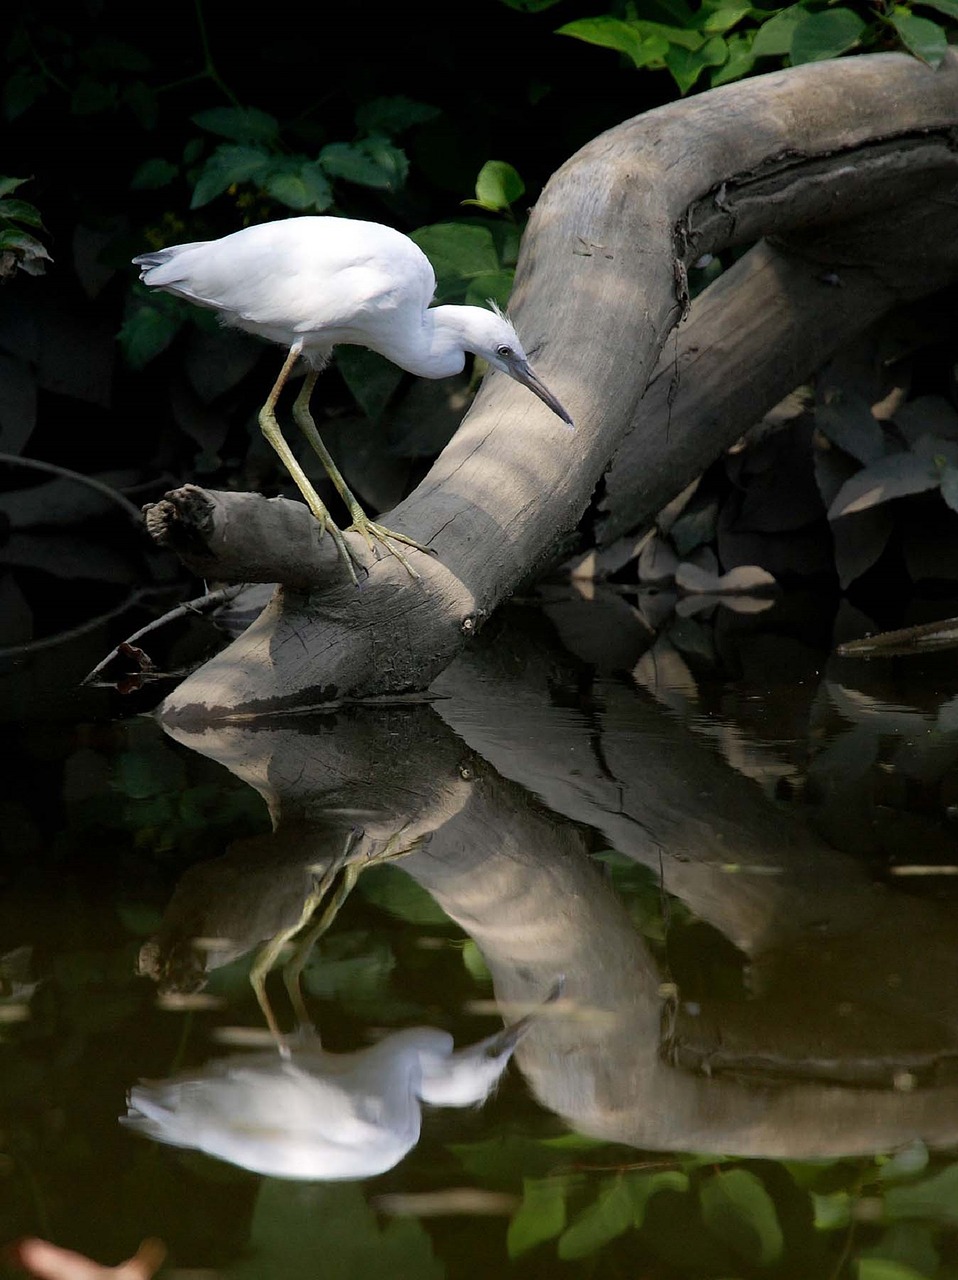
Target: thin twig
point(202, 604)
point(15, 460)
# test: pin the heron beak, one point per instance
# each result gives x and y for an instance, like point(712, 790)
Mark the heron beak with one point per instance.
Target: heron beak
point(507, 1039)
point(523, 372)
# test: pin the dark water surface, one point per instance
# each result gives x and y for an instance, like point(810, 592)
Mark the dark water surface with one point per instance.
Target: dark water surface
point(713, 879)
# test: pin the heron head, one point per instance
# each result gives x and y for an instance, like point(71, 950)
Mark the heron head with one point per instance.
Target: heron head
point(496, 341)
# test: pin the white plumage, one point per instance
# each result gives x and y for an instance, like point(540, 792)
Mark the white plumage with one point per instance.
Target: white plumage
point(319, 1115)
point(312, 283)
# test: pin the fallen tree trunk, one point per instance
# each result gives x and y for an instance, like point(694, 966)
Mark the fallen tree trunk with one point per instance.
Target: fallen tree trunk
point(600, 284)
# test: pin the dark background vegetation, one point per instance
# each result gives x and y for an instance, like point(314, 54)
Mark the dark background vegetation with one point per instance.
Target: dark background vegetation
point(134, 129)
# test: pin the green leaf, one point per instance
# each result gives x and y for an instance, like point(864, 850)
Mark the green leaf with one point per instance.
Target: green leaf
point(774, 37)
point(241, 124)
point(9, 185)
point(825, 35)
point(148, 329)
point(227, 166)
point(373, 162)
point(153, 174)
point(20, 211)
point(599, 1223)
point(686, 65)
point(494, 286)
point(29, 255)
point(724, 18)
point(497, 186)
point(392, 116)
point(299, 184)
point(884, 1269)
point(920, 36)
point(371, 378)
point(738, 1210)
point(681, 36)
point(612, 33)
point(934, 1199)
point(541, 1216)
point(948, 7)
point(459, 253)
point(740, 62)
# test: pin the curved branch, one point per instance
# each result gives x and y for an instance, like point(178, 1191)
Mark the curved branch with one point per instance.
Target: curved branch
point(599, 285)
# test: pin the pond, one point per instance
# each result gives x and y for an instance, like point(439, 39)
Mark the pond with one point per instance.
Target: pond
point(708, 878)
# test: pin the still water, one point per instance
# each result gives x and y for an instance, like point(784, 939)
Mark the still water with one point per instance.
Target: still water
point(708, 882)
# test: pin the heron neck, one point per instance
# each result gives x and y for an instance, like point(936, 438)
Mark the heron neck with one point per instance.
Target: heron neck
point(443, 342)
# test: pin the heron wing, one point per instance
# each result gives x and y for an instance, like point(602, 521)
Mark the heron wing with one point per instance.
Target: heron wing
point(300, 277)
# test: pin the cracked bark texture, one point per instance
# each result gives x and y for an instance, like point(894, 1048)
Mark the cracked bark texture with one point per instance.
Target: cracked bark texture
point(847, 171)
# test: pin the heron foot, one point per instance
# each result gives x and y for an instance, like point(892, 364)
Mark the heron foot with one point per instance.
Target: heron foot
point(377, 533)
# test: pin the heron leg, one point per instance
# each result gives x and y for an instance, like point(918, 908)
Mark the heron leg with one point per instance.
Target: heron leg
point(351, 873)
point(294, 969)
point(368, 528)
point(270, 952)
point(271, 430)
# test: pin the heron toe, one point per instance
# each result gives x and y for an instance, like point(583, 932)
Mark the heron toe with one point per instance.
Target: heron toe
point(374, 532)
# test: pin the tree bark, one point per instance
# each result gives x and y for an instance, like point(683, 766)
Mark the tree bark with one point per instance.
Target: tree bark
point(599, 285)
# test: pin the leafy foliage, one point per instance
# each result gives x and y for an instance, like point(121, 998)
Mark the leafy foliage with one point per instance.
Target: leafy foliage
point(729, 39)
point(19, 249)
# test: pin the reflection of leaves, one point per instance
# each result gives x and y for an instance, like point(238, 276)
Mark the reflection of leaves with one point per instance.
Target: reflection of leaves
point(396, 892)
point(934, 1198)
point(474, 961)
point(598, 1223)
point(906, 1163)
point(895, 476)
point(358, 975)
point(847, 420)
point(738, 1210)
point(909, 1244)
point(495, 1160)
point(329, 1232)
point(884, 1269)
point(541, 1216)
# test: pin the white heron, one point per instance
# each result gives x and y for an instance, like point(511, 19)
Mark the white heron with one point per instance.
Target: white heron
point(312, 283)
point(319, 1115)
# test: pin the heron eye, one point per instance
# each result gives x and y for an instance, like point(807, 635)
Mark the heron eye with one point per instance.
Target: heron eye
point(505, 352)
